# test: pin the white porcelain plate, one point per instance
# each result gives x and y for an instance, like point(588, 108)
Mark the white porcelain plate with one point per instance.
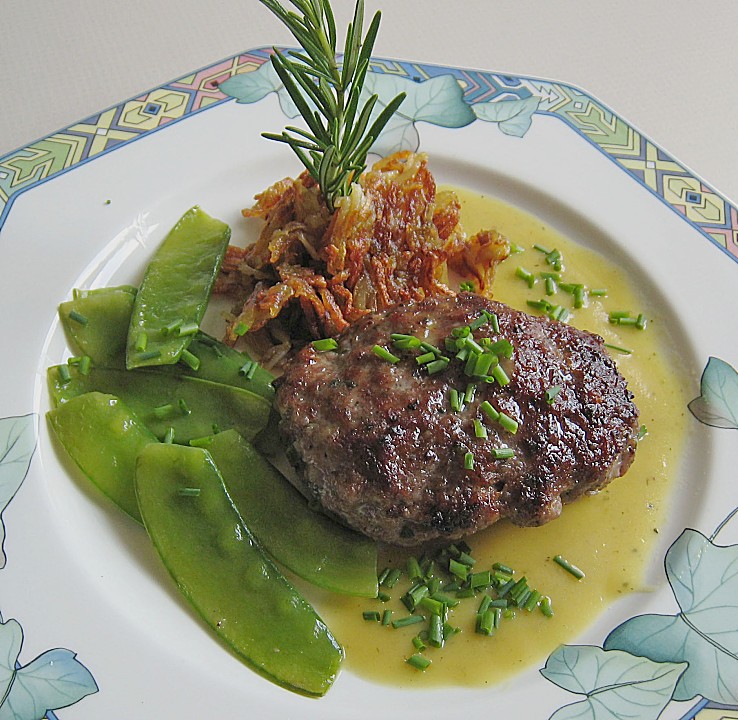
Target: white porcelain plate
point(91, 622)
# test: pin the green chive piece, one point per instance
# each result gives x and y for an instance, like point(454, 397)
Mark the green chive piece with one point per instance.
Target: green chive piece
point(526, 275)
point(437, 365)
point(435, 631)
point(149, 355)
point(190, 359)
point(241, 329)
point(485, 622)
point(371, 615)
point(469, 393)
point(455, 400)
point(479, 430)
point(142, 340)
point(248, 369)
point(641, 321)
point(172, 327)
point(598, 292)
point(164, 411)
point(642, 432)
point(572, 569)
point(532, 601)
point(418, 643)
point(551, 393)
point(419, 662)
point(189, 491)
point(546, 607)
point(542, 249)
point(64, 375)
point(579, 296)
point(489, 411)
point(469, 461)
point(384, 354)
point(507, 422)
point(503, 568)
point(78, 317)
point(503, 453)
point(201, 442)
point(425, 358)
point(550, 286)
point(184, 407)
point(413, 568)
point(325, 344)
point(459, 569)
point(499, 374)
point(467, 286)
point(189, 329)
point(618, 348)
point(386, 617)
point(169, 436)
point(390, 580)
point(405, 342)
point(85, 365)
point(407, 620)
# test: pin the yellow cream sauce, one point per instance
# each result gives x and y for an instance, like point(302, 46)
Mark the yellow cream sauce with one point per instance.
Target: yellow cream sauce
point(609, 535)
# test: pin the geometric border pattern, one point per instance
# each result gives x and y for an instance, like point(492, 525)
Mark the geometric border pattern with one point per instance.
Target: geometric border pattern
point(701, 206)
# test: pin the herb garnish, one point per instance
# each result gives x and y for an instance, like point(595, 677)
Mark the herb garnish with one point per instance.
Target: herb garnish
point(327, 94)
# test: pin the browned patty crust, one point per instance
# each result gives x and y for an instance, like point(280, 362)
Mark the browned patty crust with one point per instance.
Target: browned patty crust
point(378, 445)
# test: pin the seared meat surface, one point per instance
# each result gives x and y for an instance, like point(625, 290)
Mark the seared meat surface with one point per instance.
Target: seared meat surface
point(378, 445)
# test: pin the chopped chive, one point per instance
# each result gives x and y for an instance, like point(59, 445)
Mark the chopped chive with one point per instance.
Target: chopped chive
point(190, 359)
point(78, 317)
point(542, 249)
point(485, 622)
point(494, 322)
point(437, 365)
point(149, 355)
point(526, 275)
point(418, 661)
point(85, 365)
point(435, 631)
point(184, 407)
point(188, 329)
point(392, 577)
point(627, 321)
point(572, 569)
point(413, 568)
point(405, 342)
point(469, 393)
point(503, 453)
point(64, 375)
point(189, 491)
point(172, 327)
point(324, 344)
point(459, 569)
point(550, 286)
point(202, 442)
point(598, 292)
point(618, 348)
point(489, 411)
point(579, 296)
point(481, 579)
point(418, 643)
point(503, 568)
point(371, 615)
point(546, 607)
point(425, 358)
point(434, 607)
point(483, 363)
point(468, 461)
point(641, 321)
point(241, 329)
point(479, 430)
point(543, 305)
point(407, 620)
point(430, 348)
point(532, 601)
point(383, 596)
point(164, 411)
point(499, 374)
point(386, 617)
point(142, 340)
point(248, 369)
point(467, 286)
point(551, 393)
point(169, 436)
point(507, 422)
point(384, 354)
point(480, 320)
point(642, 432)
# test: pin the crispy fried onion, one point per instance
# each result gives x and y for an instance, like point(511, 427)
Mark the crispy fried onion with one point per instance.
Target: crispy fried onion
point(390, 241)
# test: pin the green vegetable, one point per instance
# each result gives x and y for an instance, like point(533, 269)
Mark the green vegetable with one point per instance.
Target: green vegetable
point(572, 569)
point(103, 437)
point(339, 134)
point(223, 572)
point(144, 391)
point(308, 543)
point(176, 287)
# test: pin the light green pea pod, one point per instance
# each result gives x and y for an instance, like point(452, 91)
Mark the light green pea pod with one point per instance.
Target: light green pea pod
point(96, 323)
point(104, 438)
point(314, 547)
point(188, 407)
point(220, 568)
point(175, 290)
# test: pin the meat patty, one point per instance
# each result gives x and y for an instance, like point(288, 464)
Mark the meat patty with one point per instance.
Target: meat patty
point(379, 446)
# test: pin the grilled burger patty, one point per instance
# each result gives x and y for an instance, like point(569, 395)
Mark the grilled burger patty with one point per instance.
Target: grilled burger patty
point(378, 445)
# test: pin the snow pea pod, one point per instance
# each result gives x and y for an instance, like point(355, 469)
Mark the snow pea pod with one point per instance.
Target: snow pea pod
point(189, 406)
point(175, 290)
point(96, 323)
point(222, 571)
point(314, 547)
point(104, 438)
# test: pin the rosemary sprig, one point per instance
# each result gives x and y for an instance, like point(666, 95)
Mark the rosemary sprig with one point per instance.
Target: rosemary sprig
point(327, 94)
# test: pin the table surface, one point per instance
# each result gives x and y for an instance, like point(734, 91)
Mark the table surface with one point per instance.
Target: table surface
point(668, 67)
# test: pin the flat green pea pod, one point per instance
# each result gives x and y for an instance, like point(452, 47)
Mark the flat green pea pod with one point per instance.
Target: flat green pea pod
point(174, 407)
point(314, 547)
point(176, 289)
point(219, 567)
point(104, 438)
point(96, 323)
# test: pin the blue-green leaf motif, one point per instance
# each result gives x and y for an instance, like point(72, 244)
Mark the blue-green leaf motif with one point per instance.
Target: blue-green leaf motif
point(250, 87)
point(717, 404)
point(617, 685)
point(513, 117)
point(704, 579)
point(17, 443)
point(55, 679)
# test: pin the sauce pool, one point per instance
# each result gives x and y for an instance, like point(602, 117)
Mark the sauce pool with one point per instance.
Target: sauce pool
point(609, 535)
